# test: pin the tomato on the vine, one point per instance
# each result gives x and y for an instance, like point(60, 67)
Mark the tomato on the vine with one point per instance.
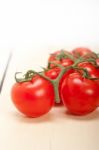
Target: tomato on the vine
point(92, 70)
point(79, 95)
point(60, 57)
point(33, 98)
point(82, 51)
point(67, 80)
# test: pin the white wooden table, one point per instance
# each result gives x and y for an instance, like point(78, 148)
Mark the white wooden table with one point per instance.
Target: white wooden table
point(53, 131)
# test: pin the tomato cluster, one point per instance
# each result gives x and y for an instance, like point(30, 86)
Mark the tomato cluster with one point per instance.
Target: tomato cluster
point(70, 79)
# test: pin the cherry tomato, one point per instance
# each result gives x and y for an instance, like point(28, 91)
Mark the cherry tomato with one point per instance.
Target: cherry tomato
point(92, 70)
point(97, 61)
point(54, 55)
point(52, 65)
point(79, 95)
point(53, 73)
point(34, 98)
point(59, 57)
point(82, 51)
point(66, 62)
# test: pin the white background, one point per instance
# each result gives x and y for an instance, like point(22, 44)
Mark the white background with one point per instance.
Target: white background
point(61, 23)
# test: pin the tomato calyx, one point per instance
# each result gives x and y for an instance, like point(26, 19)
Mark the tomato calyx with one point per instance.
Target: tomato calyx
point(64, 54)
point(61, 57)
point(26, 77)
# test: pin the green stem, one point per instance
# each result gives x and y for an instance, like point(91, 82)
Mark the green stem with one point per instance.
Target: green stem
point(56, 89)
point(64, 54)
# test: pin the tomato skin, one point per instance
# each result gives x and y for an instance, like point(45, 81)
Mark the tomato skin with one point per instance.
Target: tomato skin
point(34, 98)
point(67, 62)
point(97, 61)
point(83, 51)
point(79, 95)
point(53, 73)
point(92, 70)
point(53, 56)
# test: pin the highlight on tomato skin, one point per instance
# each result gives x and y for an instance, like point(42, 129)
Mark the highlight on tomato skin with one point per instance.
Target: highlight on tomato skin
point(35, 98)
point(53, 72)
point(79, 95)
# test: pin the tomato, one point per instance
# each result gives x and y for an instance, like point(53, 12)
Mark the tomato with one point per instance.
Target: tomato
point(53, 73)
point(33, 98)
point(60, 57)
point(97, 61)
point(93, 71)
point(52, 65)
point(54, 55)
point(79, 95)
point(82, 51)
point(66, 62)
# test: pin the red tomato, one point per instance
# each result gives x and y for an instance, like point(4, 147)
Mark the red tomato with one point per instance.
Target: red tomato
point(79, 95)
point(53, 73)
point(59, 57)
point(97, 61)
point(57, 53)
point(53, 65)
point(66, 62)
point(82, 51)
point(93, 71)
point(34, 98)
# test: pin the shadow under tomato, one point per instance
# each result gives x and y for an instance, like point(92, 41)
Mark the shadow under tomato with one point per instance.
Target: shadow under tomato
point(58, 105)
point(24, 119)
point(92, 116)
